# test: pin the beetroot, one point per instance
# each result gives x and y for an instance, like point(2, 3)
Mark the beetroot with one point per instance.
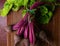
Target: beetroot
point(36, 4)
point(21, 22)
point(20, 30)
point(30, 34)
point(26, 25)
point(32, 26)
point(26, 32)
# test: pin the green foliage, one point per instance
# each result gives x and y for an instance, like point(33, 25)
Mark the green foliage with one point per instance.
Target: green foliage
point(44, 14)
point(24, 12)
point(31, 2)
point(10, 1)
point(14, 5)
point(46, 18)
point(6, 9)
point(51, 7)
point(17, 4)
point(43, 10)
point(25, 3)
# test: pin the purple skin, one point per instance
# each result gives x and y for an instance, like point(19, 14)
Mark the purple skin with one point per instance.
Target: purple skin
point(20, 31)
point(30, 34)
point(17, 26)
point(21, 28)
point(36, 4)
point(26, 32)
point(31, 29)
point(20, 23)
point(33, 32)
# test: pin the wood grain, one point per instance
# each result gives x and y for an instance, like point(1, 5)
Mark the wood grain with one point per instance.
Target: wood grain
point(53, 26)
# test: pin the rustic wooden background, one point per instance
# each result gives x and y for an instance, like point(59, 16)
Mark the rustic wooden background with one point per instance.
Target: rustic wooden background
point(53, 26)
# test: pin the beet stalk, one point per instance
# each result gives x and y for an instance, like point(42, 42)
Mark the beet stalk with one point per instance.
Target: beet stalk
point(21, 28)
point(20, 23)
point(36, 4)
point(26, 32)
point(20, 31)
point(32, 26)
point(30, 34)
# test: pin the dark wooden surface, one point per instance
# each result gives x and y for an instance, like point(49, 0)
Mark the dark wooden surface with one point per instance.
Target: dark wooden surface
point(14, 17)
point(53, 26)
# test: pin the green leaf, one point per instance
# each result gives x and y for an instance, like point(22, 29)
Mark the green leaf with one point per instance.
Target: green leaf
point(18, 2)
point(7, 7)
point(11, 1)
point(32, 2)
point(50, 13)
point(15, 8)
point(24, 12)
point(25, 2)
point(46, 18)
point(50, 7)
point(17, 5)
point(43, 10)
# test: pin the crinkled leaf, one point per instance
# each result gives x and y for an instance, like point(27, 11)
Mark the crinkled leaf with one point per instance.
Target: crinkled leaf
point(25, 2)
point(45, 19)
point(7, 7)
point(17, 5)
point(11, 1)
point(31, 2)
point(43, 10)
point(24, 12)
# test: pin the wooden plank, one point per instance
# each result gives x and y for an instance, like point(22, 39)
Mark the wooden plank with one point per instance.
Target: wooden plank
point(9, 39)
point(12, 38)
point(14, 17)
point(53, 27)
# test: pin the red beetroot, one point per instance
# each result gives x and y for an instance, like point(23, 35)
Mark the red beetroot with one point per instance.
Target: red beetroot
point(20, 30)
point(20, 26)
point(32, 26)
point(21, 22)
point(26, 32)
point(30, 34)
point(36, 4)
